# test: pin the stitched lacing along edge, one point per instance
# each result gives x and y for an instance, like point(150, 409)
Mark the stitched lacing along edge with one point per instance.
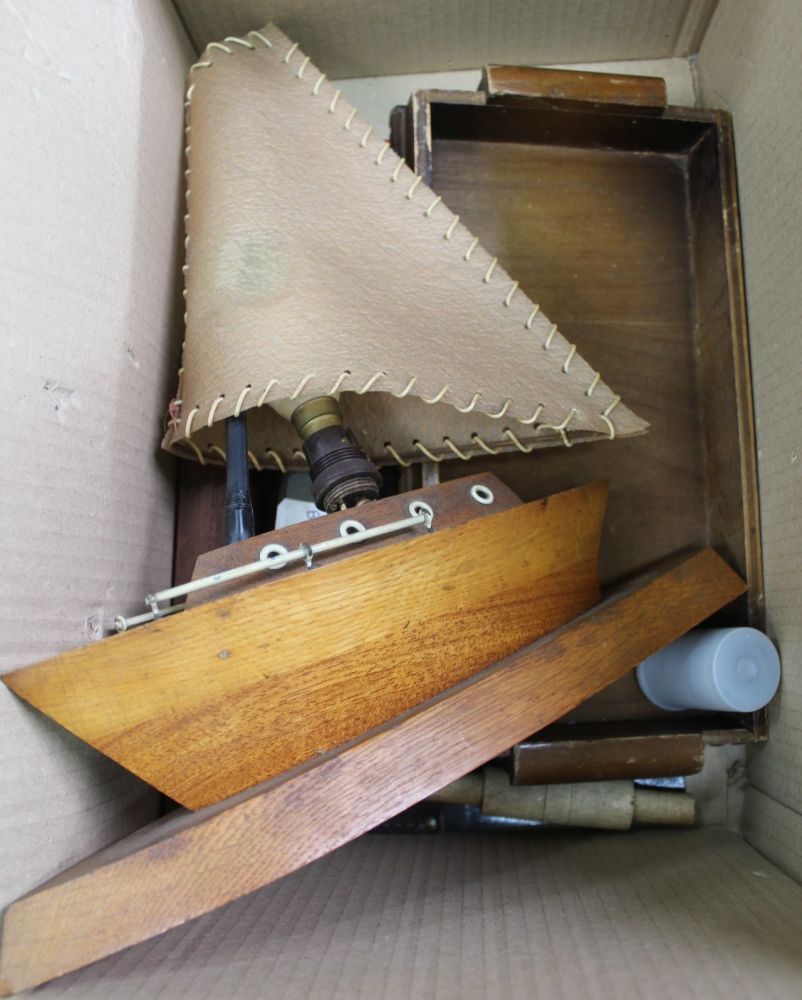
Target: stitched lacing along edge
point(272, 457)
point(482, 446)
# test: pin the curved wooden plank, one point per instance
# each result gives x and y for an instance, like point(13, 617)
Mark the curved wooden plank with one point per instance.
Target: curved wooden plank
point(190, 863)
point(212, 701)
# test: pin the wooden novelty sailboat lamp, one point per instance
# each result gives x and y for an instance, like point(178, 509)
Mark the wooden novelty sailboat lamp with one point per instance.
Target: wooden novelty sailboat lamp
point(336, 306)
point(339, 309)
point(325, 676)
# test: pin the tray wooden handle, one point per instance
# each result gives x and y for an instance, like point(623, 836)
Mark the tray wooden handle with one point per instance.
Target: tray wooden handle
point(562, 85)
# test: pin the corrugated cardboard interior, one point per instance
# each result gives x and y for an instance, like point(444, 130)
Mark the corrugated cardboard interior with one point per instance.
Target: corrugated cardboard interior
point(369, 38)
point(91, 153)
point(92, 206)
point(748, 61)
point(573, 915)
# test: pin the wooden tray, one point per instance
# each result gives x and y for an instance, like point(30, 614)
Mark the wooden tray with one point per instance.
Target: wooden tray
point(623, 224)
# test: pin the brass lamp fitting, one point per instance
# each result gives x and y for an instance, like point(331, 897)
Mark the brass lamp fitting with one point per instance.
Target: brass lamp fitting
point(342, 475)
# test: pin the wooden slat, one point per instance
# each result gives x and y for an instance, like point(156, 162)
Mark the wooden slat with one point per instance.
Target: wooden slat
point(562, 757)
point(191, 863)
point(617, 89)
point(230, 693)
point(200, 521)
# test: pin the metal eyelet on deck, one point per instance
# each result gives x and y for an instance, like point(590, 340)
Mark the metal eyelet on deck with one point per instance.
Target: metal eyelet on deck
point(351, 527)
point(275, 556)
point(482, 494)
point(271, 554)
point(418, 507)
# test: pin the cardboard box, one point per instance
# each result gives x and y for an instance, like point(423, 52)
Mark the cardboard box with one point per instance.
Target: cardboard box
point(92, 204)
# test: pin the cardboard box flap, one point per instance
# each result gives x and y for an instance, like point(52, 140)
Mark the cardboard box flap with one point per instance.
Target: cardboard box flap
point(366, 38)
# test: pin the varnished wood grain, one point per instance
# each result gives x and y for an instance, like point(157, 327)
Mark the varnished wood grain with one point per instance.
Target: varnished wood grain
point(591, 264)
point(214, 700)
point(574, 85)
point(191, 863)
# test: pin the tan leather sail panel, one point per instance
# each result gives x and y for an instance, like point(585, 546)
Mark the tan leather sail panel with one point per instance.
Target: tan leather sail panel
point(317, 262)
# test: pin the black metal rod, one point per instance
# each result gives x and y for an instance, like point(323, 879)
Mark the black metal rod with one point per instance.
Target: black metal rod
point(239, 511)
